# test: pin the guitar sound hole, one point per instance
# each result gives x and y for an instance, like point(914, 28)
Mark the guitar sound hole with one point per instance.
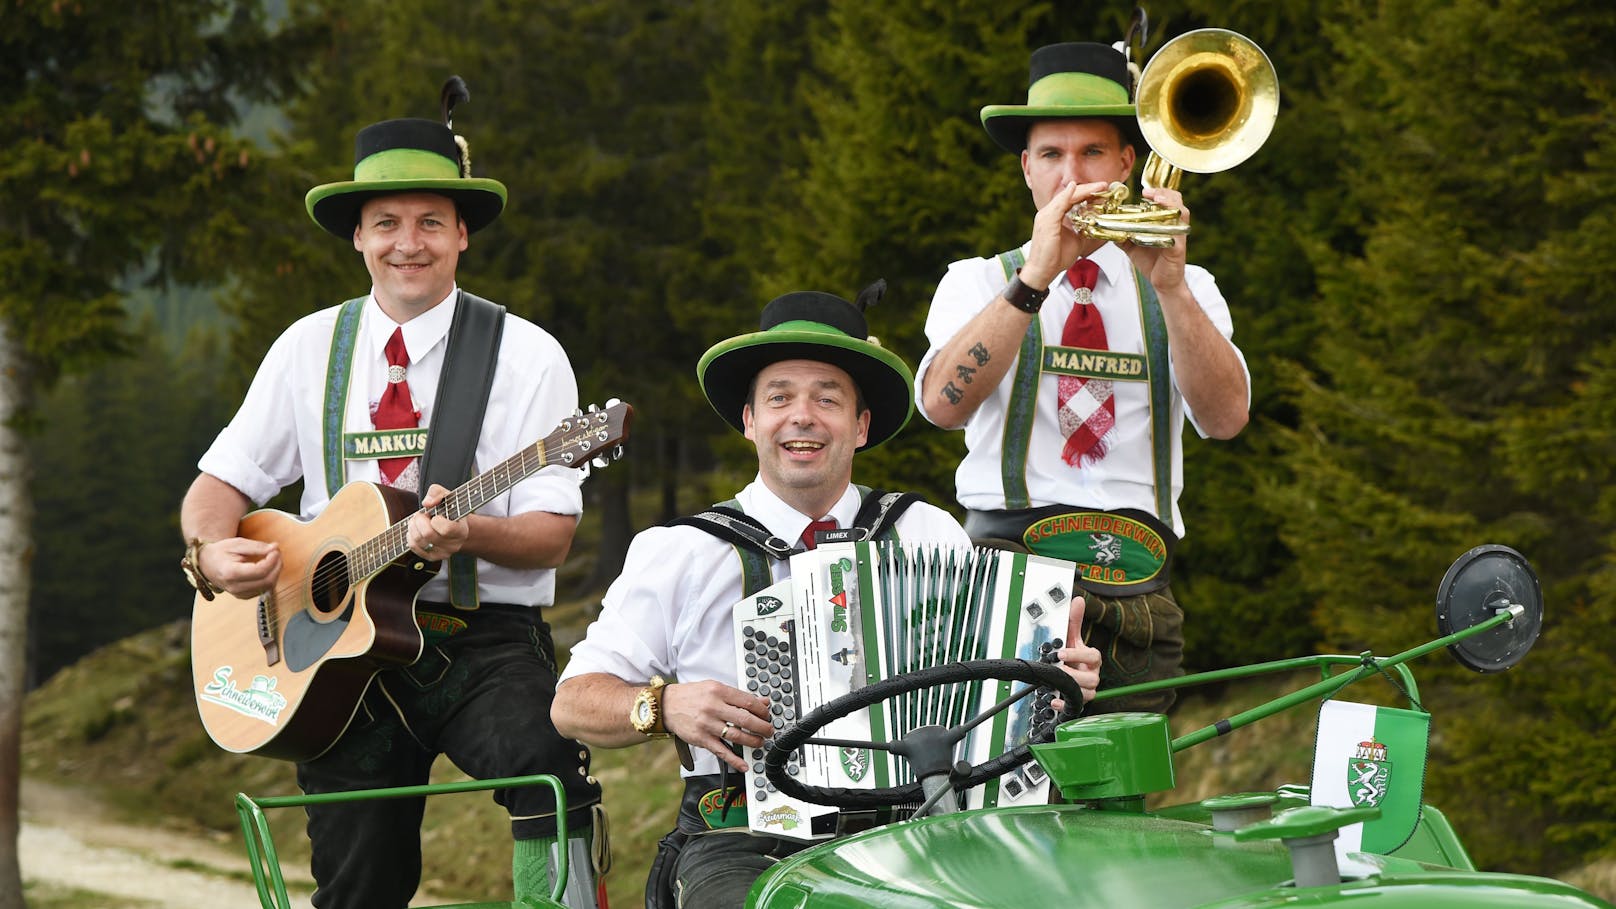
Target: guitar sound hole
point(330, 582)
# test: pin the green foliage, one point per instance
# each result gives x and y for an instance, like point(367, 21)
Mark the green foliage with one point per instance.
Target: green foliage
point(114, 458)
point(116, 147)
point(1458, 380)
point(1417, 263)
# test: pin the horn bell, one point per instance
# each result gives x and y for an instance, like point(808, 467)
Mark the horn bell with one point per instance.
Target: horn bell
point(1207, 100)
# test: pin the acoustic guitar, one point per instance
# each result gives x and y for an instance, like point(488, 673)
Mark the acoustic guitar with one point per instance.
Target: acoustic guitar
point(282, 675)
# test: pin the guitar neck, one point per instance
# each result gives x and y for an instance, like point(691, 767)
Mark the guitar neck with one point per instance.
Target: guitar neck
point(376, 553)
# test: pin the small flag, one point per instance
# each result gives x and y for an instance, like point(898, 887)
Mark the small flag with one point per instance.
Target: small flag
point(1368, 756)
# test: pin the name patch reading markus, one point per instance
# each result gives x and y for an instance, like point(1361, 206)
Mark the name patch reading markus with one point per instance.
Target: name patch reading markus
point(387, 443)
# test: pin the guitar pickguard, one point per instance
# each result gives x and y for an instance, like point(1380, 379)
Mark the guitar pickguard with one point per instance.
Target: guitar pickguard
point(306, 640)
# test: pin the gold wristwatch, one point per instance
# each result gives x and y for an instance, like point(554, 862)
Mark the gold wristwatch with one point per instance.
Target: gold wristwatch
point(646, 713)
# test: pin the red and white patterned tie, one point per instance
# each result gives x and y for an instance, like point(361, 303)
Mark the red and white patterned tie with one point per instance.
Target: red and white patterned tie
point(1087, 411)
point(396, 409)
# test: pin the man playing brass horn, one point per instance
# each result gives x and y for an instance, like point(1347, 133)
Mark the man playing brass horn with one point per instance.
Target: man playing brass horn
point(1071, 364)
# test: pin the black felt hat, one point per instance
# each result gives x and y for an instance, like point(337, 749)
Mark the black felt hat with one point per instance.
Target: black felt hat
point(811, 325)
point(1076, 79)
point(409, 155)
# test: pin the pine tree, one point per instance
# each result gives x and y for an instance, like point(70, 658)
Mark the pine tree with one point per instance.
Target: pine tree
point(1462, 365)
point(115, 151)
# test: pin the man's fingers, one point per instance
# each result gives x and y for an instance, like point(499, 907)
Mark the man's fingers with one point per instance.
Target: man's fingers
point(1074, 621)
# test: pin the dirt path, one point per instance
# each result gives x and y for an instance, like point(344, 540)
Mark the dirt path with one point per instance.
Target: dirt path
point(70, 843)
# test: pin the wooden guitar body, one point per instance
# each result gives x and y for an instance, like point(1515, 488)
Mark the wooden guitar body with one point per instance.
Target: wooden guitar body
point(282, 675)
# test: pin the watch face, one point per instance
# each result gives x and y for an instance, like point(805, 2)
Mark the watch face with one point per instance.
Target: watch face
point(642, 712)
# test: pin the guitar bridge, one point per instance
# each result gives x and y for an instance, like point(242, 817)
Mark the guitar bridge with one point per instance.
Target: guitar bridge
point(266, 632)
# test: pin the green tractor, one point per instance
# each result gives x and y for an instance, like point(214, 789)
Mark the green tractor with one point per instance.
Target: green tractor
point(1359, 835)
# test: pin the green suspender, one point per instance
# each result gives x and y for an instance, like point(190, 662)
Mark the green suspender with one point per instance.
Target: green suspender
point(1161, 398)
point(1024, 393)
point(755, 573)
point(337, 370)
point(1018, 415)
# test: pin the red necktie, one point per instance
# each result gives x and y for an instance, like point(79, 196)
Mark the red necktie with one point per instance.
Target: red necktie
point(808, 541)
point(1086, 409)
point(396, 409)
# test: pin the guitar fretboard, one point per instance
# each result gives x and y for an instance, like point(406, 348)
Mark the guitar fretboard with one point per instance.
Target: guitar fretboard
point(573, 442)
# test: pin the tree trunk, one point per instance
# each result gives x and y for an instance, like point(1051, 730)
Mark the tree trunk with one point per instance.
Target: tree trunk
point(612, 487)
point(16, 557)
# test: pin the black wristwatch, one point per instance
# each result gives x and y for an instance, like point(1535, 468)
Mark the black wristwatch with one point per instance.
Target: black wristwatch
point(1023, 297)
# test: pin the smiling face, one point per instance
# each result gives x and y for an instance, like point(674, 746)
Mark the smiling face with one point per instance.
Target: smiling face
point(411, 243)
point(805, 420)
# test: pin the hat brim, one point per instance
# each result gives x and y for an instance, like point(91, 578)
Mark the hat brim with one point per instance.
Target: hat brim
point(1008, 123)
point(727, 369)
point(335, 206)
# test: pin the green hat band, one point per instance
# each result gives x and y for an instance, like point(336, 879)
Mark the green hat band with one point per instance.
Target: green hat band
point(810, 325)
point(405, 164)
point(1075, 89)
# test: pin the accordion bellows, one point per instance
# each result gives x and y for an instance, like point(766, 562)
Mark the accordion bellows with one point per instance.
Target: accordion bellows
point(855, 613)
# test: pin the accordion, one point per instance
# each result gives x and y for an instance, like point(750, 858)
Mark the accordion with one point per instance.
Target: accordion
point(856, 613)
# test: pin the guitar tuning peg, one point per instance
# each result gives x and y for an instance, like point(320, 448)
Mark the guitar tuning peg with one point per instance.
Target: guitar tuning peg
point(594, 408)
point(599, 462)
point(579, 412)
point(617, 452)
point(613, 402)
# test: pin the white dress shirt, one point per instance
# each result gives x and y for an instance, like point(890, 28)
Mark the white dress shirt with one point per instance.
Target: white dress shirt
point(1125, 477)
point(277, 436)
point(670, 612)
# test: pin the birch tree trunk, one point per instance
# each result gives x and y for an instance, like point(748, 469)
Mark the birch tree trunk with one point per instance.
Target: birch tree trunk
point(16, 558)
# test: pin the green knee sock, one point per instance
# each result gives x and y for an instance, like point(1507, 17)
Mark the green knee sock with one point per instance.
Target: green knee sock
point(530, 867)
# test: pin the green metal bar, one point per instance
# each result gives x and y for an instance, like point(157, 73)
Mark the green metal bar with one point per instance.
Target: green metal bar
point(1368, 665)
point(261, 850)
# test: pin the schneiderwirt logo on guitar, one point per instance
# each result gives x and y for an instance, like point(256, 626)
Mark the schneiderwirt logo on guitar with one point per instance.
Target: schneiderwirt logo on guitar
point(260, 700)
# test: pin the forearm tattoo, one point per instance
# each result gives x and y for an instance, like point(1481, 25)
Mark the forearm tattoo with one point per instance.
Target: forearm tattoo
point(979, 353)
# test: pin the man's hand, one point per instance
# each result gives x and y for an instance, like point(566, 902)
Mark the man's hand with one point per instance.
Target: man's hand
point(1077, 659)
point(1055, 245)
point(435, 537)
point(241, 567)
point(713, 716)
point(1162, 266)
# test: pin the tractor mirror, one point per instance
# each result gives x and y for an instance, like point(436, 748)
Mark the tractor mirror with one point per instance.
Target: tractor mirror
point(1479, 584)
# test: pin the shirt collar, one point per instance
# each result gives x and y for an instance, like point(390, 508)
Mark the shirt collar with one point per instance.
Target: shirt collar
point(1113, 262)
point(421, 333)
point(786, 522)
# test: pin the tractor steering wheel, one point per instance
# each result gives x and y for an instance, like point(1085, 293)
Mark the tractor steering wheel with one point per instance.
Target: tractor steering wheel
point(929, 749)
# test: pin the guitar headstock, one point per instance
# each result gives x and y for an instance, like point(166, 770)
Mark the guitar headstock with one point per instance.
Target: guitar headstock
point(592, 436)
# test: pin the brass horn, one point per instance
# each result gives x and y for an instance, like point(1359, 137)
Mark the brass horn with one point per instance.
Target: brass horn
point(1205, 102)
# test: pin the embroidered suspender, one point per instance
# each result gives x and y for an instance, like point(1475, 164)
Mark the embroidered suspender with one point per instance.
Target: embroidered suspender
point(1161, 396)
point(338, 367)
point(1019, 413)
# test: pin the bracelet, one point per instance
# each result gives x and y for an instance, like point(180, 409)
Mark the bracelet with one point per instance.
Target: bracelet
point(1023, 297)
point(191, 564)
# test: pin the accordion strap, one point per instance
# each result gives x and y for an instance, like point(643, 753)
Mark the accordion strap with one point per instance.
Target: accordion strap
point(877, 517)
